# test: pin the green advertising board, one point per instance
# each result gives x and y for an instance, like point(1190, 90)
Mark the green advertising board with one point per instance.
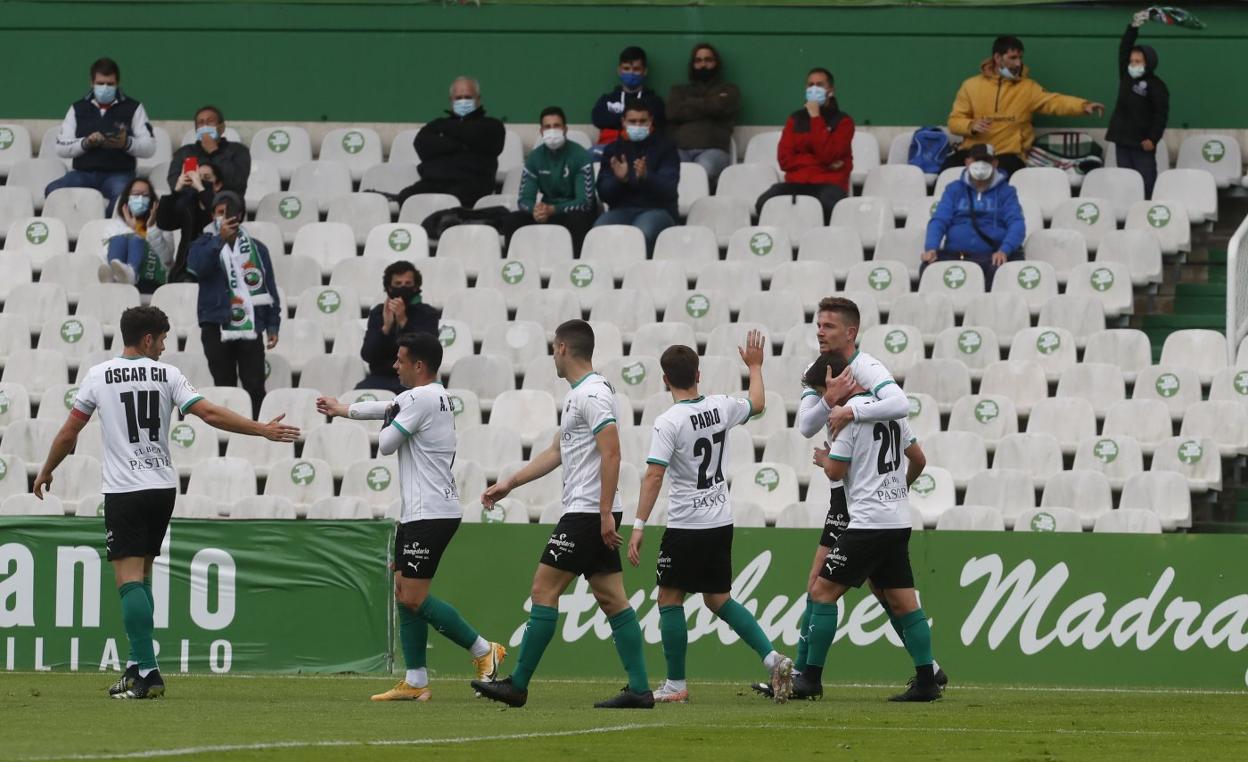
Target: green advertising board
point(1018, 608)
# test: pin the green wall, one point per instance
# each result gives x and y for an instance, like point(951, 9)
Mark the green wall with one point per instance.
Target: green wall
point(383, 62)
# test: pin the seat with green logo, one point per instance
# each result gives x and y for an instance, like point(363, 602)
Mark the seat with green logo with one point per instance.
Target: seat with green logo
point(1128, 521)
point(1120, 188)
point(400, 240)
point(301, 480)
point(356, 147)
point(587, 280)
point(1011, 492)
point(506, 511)
point(1052, 348)
point(1106, 282)
point(1230, 384)
point(1093, 218)
point(1037, 454)
point(14, 404)
point(930, 495)
point(1217, 154)
point(885, 280)
point(1034, 282)
point(1176, 385)
point(789, 215)
point(12, 475)
point(991, 416)
point(769, 485)
point(974, 345)
point(1226, 423)
point(1196, 189)
point(897, 346)
point(837, 245)
point(1099, 383)
point(790, 448)
point(944, 380)
point(15, 146)
point(1166, 220)
point(191, 442)
point(73, 336)
point(1051, 519)
point(700, 309)
point(1198, 459)
point(924, 413)
point(869, 216)
point(638, 376)
point(285, 147)
point(290, 211)
point(971, 518)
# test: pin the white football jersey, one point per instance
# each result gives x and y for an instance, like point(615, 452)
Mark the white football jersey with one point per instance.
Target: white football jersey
point(875, 484)
point(134, 398)
point(426, 485)
point(589, 407)
point(691, 440)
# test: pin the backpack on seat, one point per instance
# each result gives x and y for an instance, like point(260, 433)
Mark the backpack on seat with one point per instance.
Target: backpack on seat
point(928, 149)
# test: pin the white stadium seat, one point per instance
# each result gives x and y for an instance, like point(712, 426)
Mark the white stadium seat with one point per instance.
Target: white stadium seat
point(36, 369)
point(419, 206)
point(356, 147)
point(1218, 155)
point(75, 337)
point(290, 211)
point(225, 480)
point(961, 453)
point(1093, 218)
point(886, 280)
point(1116, 456)
point(747, 181)
point(35, 175)
point(974, 345)
point(1068, 419)
point(904, 245)
point(765, 246)
point(792, 215)
point(284, 147)
point(527, 412)
point(322, 181)
point(867, 215)
point(1086, 492)
point(693, 185)
point(362, 211)
point(931, 494)
point(1176, 385)
point(301, 480)
point(771, 486)
point(259, 452)
point(1145, 420)
point(972, 518)
point(270, 507)
point(477, 246)
point(991, 417)
point(1138, 250)
point(617, 247)
point(1197, 459)
point(1053, 349)
point(400, 240)
point(763, 148)
point(1048, 185)
point(74, 207)
point(1012, 492)
point(638, 376)
point(1099, 383)
point(721, 214)
point(1051, 519)
point(1063, 249)
point(837, 245)
point(945, 381)
point(1162, 492)
point(1039, 455)
point(1128, 521)
point(924, 415)
point(330, 508)
point(1166, 220)
point(1202, 350)
point(1195, 189)
point(902, 184)
point(486, 375)
point(1226, 423)
point(544, 245)
point(1120, 188)
point(29, 505)
point(1006, 312)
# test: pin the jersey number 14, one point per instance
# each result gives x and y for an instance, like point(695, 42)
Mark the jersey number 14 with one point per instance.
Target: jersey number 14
point(142, 412)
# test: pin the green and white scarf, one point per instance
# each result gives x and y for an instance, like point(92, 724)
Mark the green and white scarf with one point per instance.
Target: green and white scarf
point(246, 277)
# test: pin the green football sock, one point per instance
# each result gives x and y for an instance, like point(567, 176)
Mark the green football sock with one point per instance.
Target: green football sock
point(917, 637)
point(822, 633)
point(895, 621)
point(745, 625)
point(413, 636)
point(136, 614)
point(147, 588)
point(675, 639)
point(446, 620)
point(537, 635)
point(803, 637)
point(627, 635)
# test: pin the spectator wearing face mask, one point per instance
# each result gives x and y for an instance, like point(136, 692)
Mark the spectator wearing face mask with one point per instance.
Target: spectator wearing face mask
point(701, 115)
point(402, 313)
point(238, 299)
point(978, 217)
point(639, 176)
point(609, 109)
point(188, 209)
point(1143, 107)
point(562, 172)
point(232, 160)
point(816, 148)
point(459, 152)
point(996, 106)
point(139, 252)
point(104, 133)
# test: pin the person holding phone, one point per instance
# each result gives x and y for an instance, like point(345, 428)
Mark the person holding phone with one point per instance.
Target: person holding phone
point(104, 133)
point(238, 299)
point(232, 160)
point(139, 252)
point(188, 208)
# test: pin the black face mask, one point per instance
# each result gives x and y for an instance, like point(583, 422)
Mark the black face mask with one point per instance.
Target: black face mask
point(704, 75)
point(406, 293)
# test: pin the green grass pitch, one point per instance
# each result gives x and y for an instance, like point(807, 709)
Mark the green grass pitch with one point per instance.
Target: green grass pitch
point(68, 716)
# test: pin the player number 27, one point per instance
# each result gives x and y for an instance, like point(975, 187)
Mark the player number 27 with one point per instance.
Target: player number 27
point(705, 449)
point(889, 437)
point(142, 412)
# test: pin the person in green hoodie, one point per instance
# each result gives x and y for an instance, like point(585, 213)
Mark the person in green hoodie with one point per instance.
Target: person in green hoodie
point(562, 173)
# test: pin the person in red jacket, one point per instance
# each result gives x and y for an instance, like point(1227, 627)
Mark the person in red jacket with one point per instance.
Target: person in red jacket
point(815, 148)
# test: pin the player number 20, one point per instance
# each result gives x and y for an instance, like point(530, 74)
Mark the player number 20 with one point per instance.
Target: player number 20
point(889, 437)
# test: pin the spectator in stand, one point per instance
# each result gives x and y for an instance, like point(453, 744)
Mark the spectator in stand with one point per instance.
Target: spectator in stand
point(188, 209)
point(703, 113)
point(639, 176)
point(563, 172)
point(139, 252)
point(816, 150)
point(104, 133)
point(402, 313)
point(1143, 107)
point(459, 152)
point(996, 106)
point(609, 109)
point(978, 217)
point(238, 299)
point(232, 160)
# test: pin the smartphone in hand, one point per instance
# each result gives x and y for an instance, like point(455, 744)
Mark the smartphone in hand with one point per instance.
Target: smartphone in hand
point(190, 164)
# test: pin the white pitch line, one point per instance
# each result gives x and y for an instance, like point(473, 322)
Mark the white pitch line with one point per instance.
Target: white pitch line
point(223, 749)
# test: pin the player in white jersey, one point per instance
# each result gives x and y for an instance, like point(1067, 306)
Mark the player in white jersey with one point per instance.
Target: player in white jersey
point(420, 427)
point(134, 396)
point(587, 539)
point(695, 556)
point(878, 461)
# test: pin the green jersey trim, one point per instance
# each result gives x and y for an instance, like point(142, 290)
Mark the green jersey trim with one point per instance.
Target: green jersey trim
point(603, 425)
point(187, 405)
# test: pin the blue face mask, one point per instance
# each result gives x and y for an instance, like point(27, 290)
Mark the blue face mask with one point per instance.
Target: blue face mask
point(208, 130)
point(104, 94)
point(816, 94)
point(139, 205)
point(637, 132)
point(631, 79)
point(462, 107)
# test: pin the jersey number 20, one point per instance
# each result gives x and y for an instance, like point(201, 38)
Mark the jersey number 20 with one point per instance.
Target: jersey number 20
point(889, 437)
point(142, 412)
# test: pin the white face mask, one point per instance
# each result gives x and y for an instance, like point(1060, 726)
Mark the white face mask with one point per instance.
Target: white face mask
point(554, 139)
point(980, 170)
point(1135, 71)
point(1006, 73)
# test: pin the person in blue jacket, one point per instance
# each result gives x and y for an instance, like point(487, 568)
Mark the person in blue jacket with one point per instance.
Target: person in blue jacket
point(639, 175)
point(978, 218)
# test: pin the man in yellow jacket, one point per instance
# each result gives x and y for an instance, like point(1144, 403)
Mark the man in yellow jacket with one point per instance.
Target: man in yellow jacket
point(995, 107)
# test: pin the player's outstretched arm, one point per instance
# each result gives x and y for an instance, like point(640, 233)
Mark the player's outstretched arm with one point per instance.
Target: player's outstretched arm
point(752, 355)
point(917, 461)
point(62, 445)
point(608, 440)
point(890, 404)
point(227, 420)
point(543, 463)
point(359, 411)
point(651, 483)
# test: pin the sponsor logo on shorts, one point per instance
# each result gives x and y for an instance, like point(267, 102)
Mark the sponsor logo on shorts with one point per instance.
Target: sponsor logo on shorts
point(560, 545)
